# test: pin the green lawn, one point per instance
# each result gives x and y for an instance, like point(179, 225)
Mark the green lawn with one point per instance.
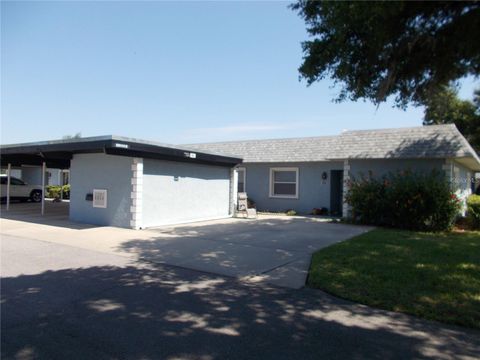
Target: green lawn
point(435, 276)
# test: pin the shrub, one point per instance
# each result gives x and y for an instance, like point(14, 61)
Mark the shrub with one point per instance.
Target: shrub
point(421, 201)
point(291, 212)
point(66, 191)
point(54, 191)
point(367, 199)
point(406, 200)
point(473, 211)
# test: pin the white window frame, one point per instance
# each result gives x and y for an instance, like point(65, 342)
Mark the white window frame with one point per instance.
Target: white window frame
point(272, 171)
point(244, 178)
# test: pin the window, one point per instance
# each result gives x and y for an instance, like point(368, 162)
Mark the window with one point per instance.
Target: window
point(284, 182)
point(241, 179)
point(65, 177)
point(15, 181)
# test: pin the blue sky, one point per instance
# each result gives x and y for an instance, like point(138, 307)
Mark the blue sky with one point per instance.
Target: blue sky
point(173, 72)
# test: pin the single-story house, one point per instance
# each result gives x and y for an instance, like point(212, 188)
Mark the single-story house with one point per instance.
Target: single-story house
point(133, 183)
point(311, 172)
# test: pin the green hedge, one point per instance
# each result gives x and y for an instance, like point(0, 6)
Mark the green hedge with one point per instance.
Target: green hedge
point(54, 191)
point(473, 211)
point(405, 200)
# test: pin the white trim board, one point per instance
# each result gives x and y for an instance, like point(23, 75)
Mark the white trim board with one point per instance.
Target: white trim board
point(244, 169)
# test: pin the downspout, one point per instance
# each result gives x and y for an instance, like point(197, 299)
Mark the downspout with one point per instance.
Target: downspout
point(43, 188)
point(9, 170)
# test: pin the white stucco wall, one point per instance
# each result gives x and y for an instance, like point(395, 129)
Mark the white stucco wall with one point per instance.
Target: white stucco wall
point(55, 177)
point(32, 174)
point(175, 192)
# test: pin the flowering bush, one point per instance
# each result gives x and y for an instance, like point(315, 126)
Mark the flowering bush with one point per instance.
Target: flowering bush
point(406, 200)
point(473, 211)
point(367, 198)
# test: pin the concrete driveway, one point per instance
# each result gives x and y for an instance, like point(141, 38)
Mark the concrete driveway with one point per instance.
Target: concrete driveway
point(274, 249)
point(271, 249)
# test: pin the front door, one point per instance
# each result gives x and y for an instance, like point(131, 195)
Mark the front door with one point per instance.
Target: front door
point(336, 192)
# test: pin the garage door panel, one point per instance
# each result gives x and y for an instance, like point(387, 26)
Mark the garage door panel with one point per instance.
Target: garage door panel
point(181, 192)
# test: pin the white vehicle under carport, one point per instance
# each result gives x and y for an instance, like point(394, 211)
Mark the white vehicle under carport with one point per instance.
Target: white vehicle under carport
point(20, 190)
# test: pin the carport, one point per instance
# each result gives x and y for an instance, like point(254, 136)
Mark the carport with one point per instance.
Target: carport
point(118, 181)
point(41, 159)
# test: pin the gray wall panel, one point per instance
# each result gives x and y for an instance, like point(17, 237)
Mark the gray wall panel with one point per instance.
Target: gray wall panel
point(101, 171)
point(313, 192)
point(383, 166)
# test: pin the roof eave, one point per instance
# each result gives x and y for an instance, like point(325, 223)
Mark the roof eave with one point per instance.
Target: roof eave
point(49, 150)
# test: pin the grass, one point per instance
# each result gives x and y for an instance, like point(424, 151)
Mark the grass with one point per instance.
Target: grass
point(431, 275)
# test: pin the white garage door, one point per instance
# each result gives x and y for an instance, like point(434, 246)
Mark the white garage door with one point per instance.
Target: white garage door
point(175, 192)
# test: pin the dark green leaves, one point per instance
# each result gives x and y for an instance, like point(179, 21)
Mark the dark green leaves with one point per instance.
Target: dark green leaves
point(378, 49)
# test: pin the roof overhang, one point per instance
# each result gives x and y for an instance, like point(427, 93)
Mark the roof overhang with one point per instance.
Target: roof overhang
point(469, 162)
point(58, 153)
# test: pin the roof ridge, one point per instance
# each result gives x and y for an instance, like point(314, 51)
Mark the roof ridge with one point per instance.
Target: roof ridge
point(325, 136)
point(270, 139)
point(401, 128)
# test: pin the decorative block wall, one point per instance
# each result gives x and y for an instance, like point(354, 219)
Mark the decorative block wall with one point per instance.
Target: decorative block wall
point(346, 180)
point(136, 194)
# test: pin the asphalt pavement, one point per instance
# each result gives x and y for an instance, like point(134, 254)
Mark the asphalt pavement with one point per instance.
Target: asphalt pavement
point(65, 302)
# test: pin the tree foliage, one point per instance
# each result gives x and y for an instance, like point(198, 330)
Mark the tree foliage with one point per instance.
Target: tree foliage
point(444, 107)
point(78, 135)
point(378, 49)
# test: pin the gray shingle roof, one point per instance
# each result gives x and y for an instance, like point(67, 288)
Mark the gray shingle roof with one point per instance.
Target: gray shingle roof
point(275, 150)
point(436, 141)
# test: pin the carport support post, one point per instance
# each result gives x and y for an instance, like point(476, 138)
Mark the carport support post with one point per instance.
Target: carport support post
point(61, 184)
point(233, 190)
point(43, 187)
point(9, 170)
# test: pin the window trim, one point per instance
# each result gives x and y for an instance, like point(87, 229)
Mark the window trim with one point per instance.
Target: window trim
point(241, 168)
point(272, 171)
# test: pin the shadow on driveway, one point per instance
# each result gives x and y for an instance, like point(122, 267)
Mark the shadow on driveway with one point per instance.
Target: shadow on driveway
point(271, 249)
point(171, 313)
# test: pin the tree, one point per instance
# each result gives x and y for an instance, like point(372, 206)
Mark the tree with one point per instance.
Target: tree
point(76, 136)
point(377, 49)
point(445, 107)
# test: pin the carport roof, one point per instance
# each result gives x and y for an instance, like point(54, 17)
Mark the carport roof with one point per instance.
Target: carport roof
point(58, 153)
